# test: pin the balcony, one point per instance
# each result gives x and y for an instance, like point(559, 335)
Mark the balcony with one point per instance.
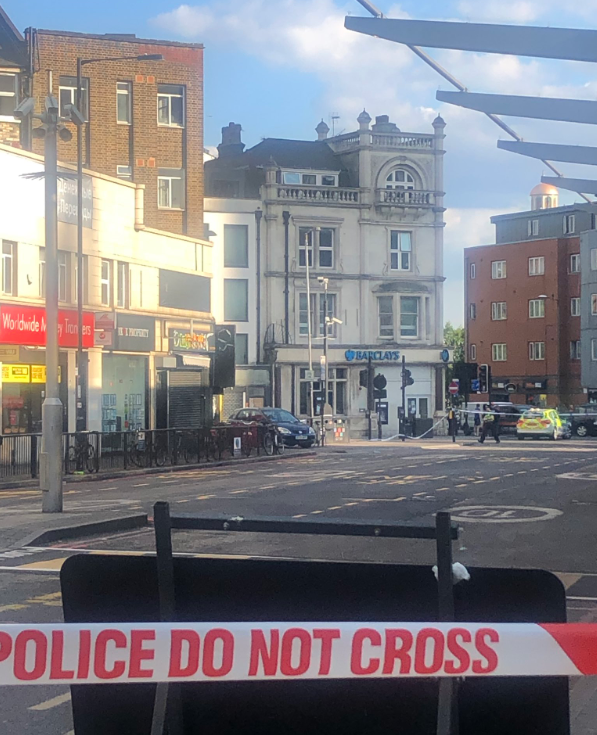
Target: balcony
point(316, 194)
point(398, 141)
point(405, 198)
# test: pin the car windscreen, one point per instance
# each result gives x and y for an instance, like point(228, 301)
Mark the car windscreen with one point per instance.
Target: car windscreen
point(534, 414)
point(280, 416)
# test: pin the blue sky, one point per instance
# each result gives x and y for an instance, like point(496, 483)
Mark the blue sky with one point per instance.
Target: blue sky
point(279, 66)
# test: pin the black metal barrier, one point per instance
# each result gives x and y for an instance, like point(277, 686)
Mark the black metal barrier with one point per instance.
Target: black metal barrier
point(165, 587)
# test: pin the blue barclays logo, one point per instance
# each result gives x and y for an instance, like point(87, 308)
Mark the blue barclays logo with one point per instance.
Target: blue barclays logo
point(376, 355)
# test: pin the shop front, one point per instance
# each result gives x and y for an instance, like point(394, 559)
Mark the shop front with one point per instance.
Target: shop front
point(125, 374)
point(23, 357)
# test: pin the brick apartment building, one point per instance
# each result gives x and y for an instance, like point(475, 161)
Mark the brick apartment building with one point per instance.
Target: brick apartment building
point(145, 118)
point(522, 301)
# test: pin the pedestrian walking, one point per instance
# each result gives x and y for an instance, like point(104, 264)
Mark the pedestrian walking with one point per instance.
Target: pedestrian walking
point(487, 423)
point(452, 422)
point(495, 429)
point(477, 419)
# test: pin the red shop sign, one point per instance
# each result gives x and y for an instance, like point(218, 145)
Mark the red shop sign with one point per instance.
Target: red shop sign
point(26, 325)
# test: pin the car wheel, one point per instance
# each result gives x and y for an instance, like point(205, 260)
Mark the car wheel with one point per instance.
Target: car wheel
point(581, 430)
point(553, 437)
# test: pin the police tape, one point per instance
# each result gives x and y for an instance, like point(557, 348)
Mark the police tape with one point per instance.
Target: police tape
point(195, 652)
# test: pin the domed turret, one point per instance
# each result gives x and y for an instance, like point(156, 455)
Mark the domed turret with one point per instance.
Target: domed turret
point(322, 130)
point(363, 120)
point(544, 196)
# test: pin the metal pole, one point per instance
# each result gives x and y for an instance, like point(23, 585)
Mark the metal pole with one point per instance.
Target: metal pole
point(325, 357)
point(309, 334)
point(403, 398)
point(51, 450)
point(80, 398)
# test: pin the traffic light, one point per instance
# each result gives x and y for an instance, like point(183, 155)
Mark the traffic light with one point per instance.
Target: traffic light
point(379, 385)
point(363, 378)
point(407, 378)
point(483, 378)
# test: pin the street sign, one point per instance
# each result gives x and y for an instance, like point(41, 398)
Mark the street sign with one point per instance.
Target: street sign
point(454, 387)
point(310, 375)
point(475, 385)
point(322, 367)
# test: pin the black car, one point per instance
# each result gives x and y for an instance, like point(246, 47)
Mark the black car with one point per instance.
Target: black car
point(584, 420)
point(294, 431)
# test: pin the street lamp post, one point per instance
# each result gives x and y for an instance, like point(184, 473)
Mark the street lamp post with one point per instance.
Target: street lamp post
point(325, 282)
point(81, 397)
point(544, 298)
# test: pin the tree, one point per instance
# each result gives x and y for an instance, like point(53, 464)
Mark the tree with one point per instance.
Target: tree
point(454, 338)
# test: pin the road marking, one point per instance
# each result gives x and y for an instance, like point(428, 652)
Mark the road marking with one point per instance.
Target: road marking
point(300, 515)
point(238, 492)
point(536, 469)
point(521, 472)
point(478, 482)
point(53, 565)
point(464, 484)
point(316, 512)
point(503, 513)
point(140, 484)
point(347, 504)
point(205, 497)
point(334, 507)
point(568, 579)
point(491, 479)
point(51, 703)
point(417, 494)
point(510, 474)
point(7, 608)
point(441, 489)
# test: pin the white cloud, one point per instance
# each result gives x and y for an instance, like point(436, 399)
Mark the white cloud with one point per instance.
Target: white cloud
point(496, 11)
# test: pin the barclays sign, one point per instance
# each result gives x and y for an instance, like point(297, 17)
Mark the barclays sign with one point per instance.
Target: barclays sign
point(374, 355)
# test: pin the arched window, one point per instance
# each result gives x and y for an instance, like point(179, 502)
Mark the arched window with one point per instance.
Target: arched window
point(400, 178)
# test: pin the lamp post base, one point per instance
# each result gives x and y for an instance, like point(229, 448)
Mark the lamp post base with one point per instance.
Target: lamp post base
point(50, 464)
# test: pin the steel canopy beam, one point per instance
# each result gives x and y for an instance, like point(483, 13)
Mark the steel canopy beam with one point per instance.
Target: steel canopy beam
point(542, 108)
point(580, 186)
point(548, 43)
point(568, 153)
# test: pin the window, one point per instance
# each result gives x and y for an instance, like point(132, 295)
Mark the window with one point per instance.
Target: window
point(594, 304)
point(536, 350)
point(124, 113)
point(400, 250)
point(236, 300)
point(122, 298)
point(575, 262)
point(498, 269)
point(241, 349)
point(594, 349)
point(124, 172)
point(236, 246)
point(336, 395)
point(330, 314)
point(308, 239)
point(536, 266)
point(9, 98)
point(385, 310)
point(575, 350)
point(499, 311)
point(473, 352)
point(171, 188)
point(472, 311)
point(8, 258)
point(292, 177)
point(409, 316)
point(171, 105)
point(309, 179)
point(328, 181)
point(575, 306)
point(536, 308)
point(569, 224)
point(106, 283)
point(76, 289)
point(62, 275)
point(304, 314)
point(499, 352)
point(400, 179)
point(68, 96)
point(473, 271)
point(593, 260)
point(533, 227)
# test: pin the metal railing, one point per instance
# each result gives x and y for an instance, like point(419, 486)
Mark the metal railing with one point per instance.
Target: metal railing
point(89, 452)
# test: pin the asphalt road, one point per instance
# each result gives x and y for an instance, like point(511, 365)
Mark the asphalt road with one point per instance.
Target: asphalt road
point(519, 505)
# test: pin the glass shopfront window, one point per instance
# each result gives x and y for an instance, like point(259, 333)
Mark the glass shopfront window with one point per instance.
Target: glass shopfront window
point(124, 392)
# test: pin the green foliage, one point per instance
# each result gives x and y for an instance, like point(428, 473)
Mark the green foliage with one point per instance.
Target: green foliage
point(454, 338)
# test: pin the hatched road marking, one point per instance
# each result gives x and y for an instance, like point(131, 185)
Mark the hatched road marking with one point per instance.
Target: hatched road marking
point(51, 703)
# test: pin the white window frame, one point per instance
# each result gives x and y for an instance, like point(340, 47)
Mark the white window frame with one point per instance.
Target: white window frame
point(594, 304)
point(594, 349)
point(569, 224)
point(9, 253)
point(122, 285)
point(106, 283)
point(537, 265)
point(575, 349)
point(325, 248)
point(169, 96)
point(418, 320)
point(499, 352)
point(536, 311)
point(124, 89)
point(536, 350)
point(499, 311)
point(168, 179)
point(332, 310)
point(498, 270)
point(473, 352)
point(473, 271)
point(401, 248)
point(575, 306)
point(386, 331)
point(472, 311)
point(303, 308)
point(72, 88)
point(124, 172)
point(14, 95)
point(408, 184)
point(533, 227)
point(575, 262)
point(314, 248)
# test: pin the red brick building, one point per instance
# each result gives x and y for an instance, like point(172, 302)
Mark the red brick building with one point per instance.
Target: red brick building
point(145, 118)
point(522, 301)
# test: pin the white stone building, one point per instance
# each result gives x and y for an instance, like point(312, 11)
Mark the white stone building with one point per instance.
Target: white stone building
point(366, 208)
point(146, 307)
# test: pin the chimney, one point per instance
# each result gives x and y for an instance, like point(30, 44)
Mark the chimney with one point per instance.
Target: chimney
point(231, 144)
point(322, 130)
point(383, 125)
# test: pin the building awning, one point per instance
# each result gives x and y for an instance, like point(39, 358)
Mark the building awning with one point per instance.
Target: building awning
point(193, 360)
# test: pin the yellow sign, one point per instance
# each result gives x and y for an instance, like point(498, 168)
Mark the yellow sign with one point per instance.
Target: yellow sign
point(16, 373)
point(38, 373)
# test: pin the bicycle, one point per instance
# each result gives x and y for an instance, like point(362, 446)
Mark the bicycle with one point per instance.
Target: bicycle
point(137, 451)
point(82, 456)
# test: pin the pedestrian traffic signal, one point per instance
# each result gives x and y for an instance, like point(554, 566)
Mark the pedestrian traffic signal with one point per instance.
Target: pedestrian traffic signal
point(363, 378)
point(379, 385)
point(483, 378)
point(407, 378)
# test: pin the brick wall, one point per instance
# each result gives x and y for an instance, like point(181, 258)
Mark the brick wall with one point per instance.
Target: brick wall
point(144, 145)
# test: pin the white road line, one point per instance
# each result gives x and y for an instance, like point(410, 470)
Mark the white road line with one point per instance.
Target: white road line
point(316, 512)
point(140, 484)
point(51, 703)
point(441, 489)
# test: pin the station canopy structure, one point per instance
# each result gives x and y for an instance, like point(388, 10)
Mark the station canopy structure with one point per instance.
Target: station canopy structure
point(548, 43)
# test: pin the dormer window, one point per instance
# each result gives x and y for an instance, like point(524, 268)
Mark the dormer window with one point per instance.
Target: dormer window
point(311, 179)
point(400, 178)
point(328, 181)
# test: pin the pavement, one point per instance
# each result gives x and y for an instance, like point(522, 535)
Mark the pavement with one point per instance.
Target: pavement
point(531, 504)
